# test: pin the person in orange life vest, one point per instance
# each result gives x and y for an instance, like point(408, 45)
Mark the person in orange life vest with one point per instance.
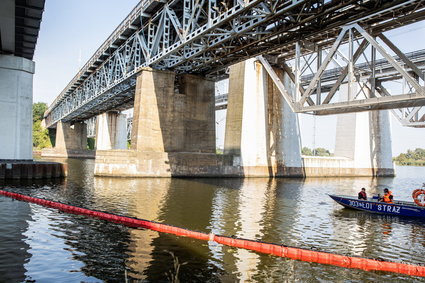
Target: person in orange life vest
point(388, 196)
point(362, 194)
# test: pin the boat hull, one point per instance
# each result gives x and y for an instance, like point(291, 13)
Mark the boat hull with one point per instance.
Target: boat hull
point(374, 206)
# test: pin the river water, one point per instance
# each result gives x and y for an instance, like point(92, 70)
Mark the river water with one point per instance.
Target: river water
point(39, 244)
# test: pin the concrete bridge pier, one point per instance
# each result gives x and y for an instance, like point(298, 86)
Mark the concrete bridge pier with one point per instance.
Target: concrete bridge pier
point(365, 138)
point(169, 118)
point(70, 141)
point(261, 130)
point(16, 75)
point(111, 131)
point(173, 132)
point(362, 146)
point(16, 157)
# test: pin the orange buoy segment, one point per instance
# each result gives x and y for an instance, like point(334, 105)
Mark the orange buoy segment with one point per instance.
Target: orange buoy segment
point(262, 247)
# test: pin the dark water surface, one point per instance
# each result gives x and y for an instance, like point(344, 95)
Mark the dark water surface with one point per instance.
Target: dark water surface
point(43, 245)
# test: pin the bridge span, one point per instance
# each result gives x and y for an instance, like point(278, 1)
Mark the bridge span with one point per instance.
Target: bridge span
point(204, 38)
point(383, 70)
point(281, 57)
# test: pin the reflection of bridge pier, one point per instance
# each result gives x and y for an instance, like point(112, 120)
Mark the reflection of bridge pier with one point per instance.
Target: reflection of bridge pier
point(147, 197)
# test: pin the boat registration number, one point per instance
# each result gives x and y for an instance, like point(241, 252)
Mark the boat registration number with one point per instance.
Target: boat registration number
point(379, 207)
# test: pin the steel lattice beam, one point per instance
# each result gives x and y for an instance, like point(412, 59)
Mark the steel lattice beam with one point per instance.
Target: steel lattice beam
point(204, 37)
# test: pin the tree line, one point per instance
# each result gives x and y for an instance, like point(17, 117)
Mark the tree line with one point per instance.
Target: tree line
point(320, 151)
point(411, 158)
point(40, 135)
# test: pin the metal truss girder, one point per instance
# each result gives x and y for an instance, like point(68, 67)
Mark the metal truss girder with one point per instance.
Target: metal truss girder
point(376, 103)
point(277, 82)
point(213, 36)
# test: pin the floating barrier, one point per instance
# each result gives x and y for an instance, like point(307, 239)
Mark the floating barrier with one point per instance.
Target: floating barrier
point(262, 247)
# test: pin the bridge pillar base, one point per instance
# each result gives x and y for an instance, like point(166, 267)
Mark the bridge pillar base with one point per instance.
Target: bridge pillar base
point(25, 170)
point(71, 141)
point(260, 126)
point(16, 77)
point(173, 131)
point(364, 140)
point(111, 132)
point(169, 121)
point(131, 163)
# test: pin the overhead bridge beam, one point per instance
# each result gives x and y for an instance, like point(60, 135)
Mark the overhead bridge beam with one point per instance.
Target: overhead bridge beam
point(205, 37)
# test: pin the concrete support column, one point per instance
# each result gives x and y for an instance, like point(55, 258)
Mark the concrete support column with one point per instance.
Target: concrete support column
point(16, 79)
point(158, 112)
point(285, 131)
point(365, 138)
point(246, 122)
point(167, 121)
point(111, 131)
point(381, 144)
point(260, 127)
point(199, 114)
point(71, 137)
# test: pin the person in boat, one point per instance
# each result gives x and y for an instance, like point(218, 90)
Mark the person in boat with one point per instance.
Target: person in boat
point(362, 194)
point(388, 196)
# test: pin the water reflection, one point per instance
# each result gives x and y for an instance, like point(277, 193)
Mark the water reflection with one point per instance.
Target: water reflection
point(14, 217)
point(293, 212)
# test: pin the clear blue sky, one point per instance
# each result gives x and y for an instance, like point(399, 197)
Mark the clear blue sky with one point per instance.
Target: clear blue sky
point(71, 31)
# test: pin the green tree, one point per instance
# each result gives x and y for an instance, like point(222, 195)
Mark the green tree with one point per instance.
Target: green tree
point(320, 151)
point(38, 110)
point(39, 134)
point(411, 157)
point(306, 151)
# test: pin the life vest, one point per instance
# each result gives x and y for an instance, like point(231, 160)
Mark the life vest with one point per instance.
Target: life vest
point(387, 197)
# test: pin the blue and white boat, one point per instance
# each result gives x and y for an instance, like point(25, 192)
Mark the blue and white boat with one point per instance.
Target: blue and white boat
point(401, 208)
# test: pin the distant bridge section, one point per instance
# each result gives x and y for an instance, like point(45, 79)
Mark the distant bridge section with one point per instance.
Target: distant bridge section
point(204, 37)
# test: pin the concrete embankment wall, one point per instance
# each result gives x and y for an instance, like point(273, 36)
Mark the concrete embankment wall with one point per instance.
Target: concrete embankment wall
point(340, 167)
point(10, 169)
point(129, 163)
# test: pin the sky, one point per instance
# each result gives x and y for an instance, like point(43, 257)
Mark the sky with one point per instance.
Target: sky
point(71, 31)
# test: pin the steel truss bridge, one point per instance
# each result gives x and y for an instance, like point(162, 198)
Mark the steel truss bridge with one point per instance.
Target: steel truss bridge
point(411, 117)
point(204, 37)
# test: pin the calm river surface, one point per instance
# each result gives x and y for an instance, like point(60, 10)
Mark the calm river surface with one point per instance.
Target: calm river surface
point(39, 244)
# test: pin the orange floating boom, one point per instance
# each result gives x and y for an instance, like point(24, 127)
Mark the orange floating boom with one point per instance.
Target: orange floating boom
point(262, 247)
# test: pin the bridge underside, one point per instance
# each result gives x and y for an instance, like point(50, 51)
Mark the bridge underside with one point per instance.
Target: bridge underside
point(213, 37)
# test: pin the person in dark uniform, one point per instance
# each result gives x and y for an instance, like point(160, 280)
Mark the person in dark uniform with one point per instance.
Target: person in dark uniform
point(362, 194)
